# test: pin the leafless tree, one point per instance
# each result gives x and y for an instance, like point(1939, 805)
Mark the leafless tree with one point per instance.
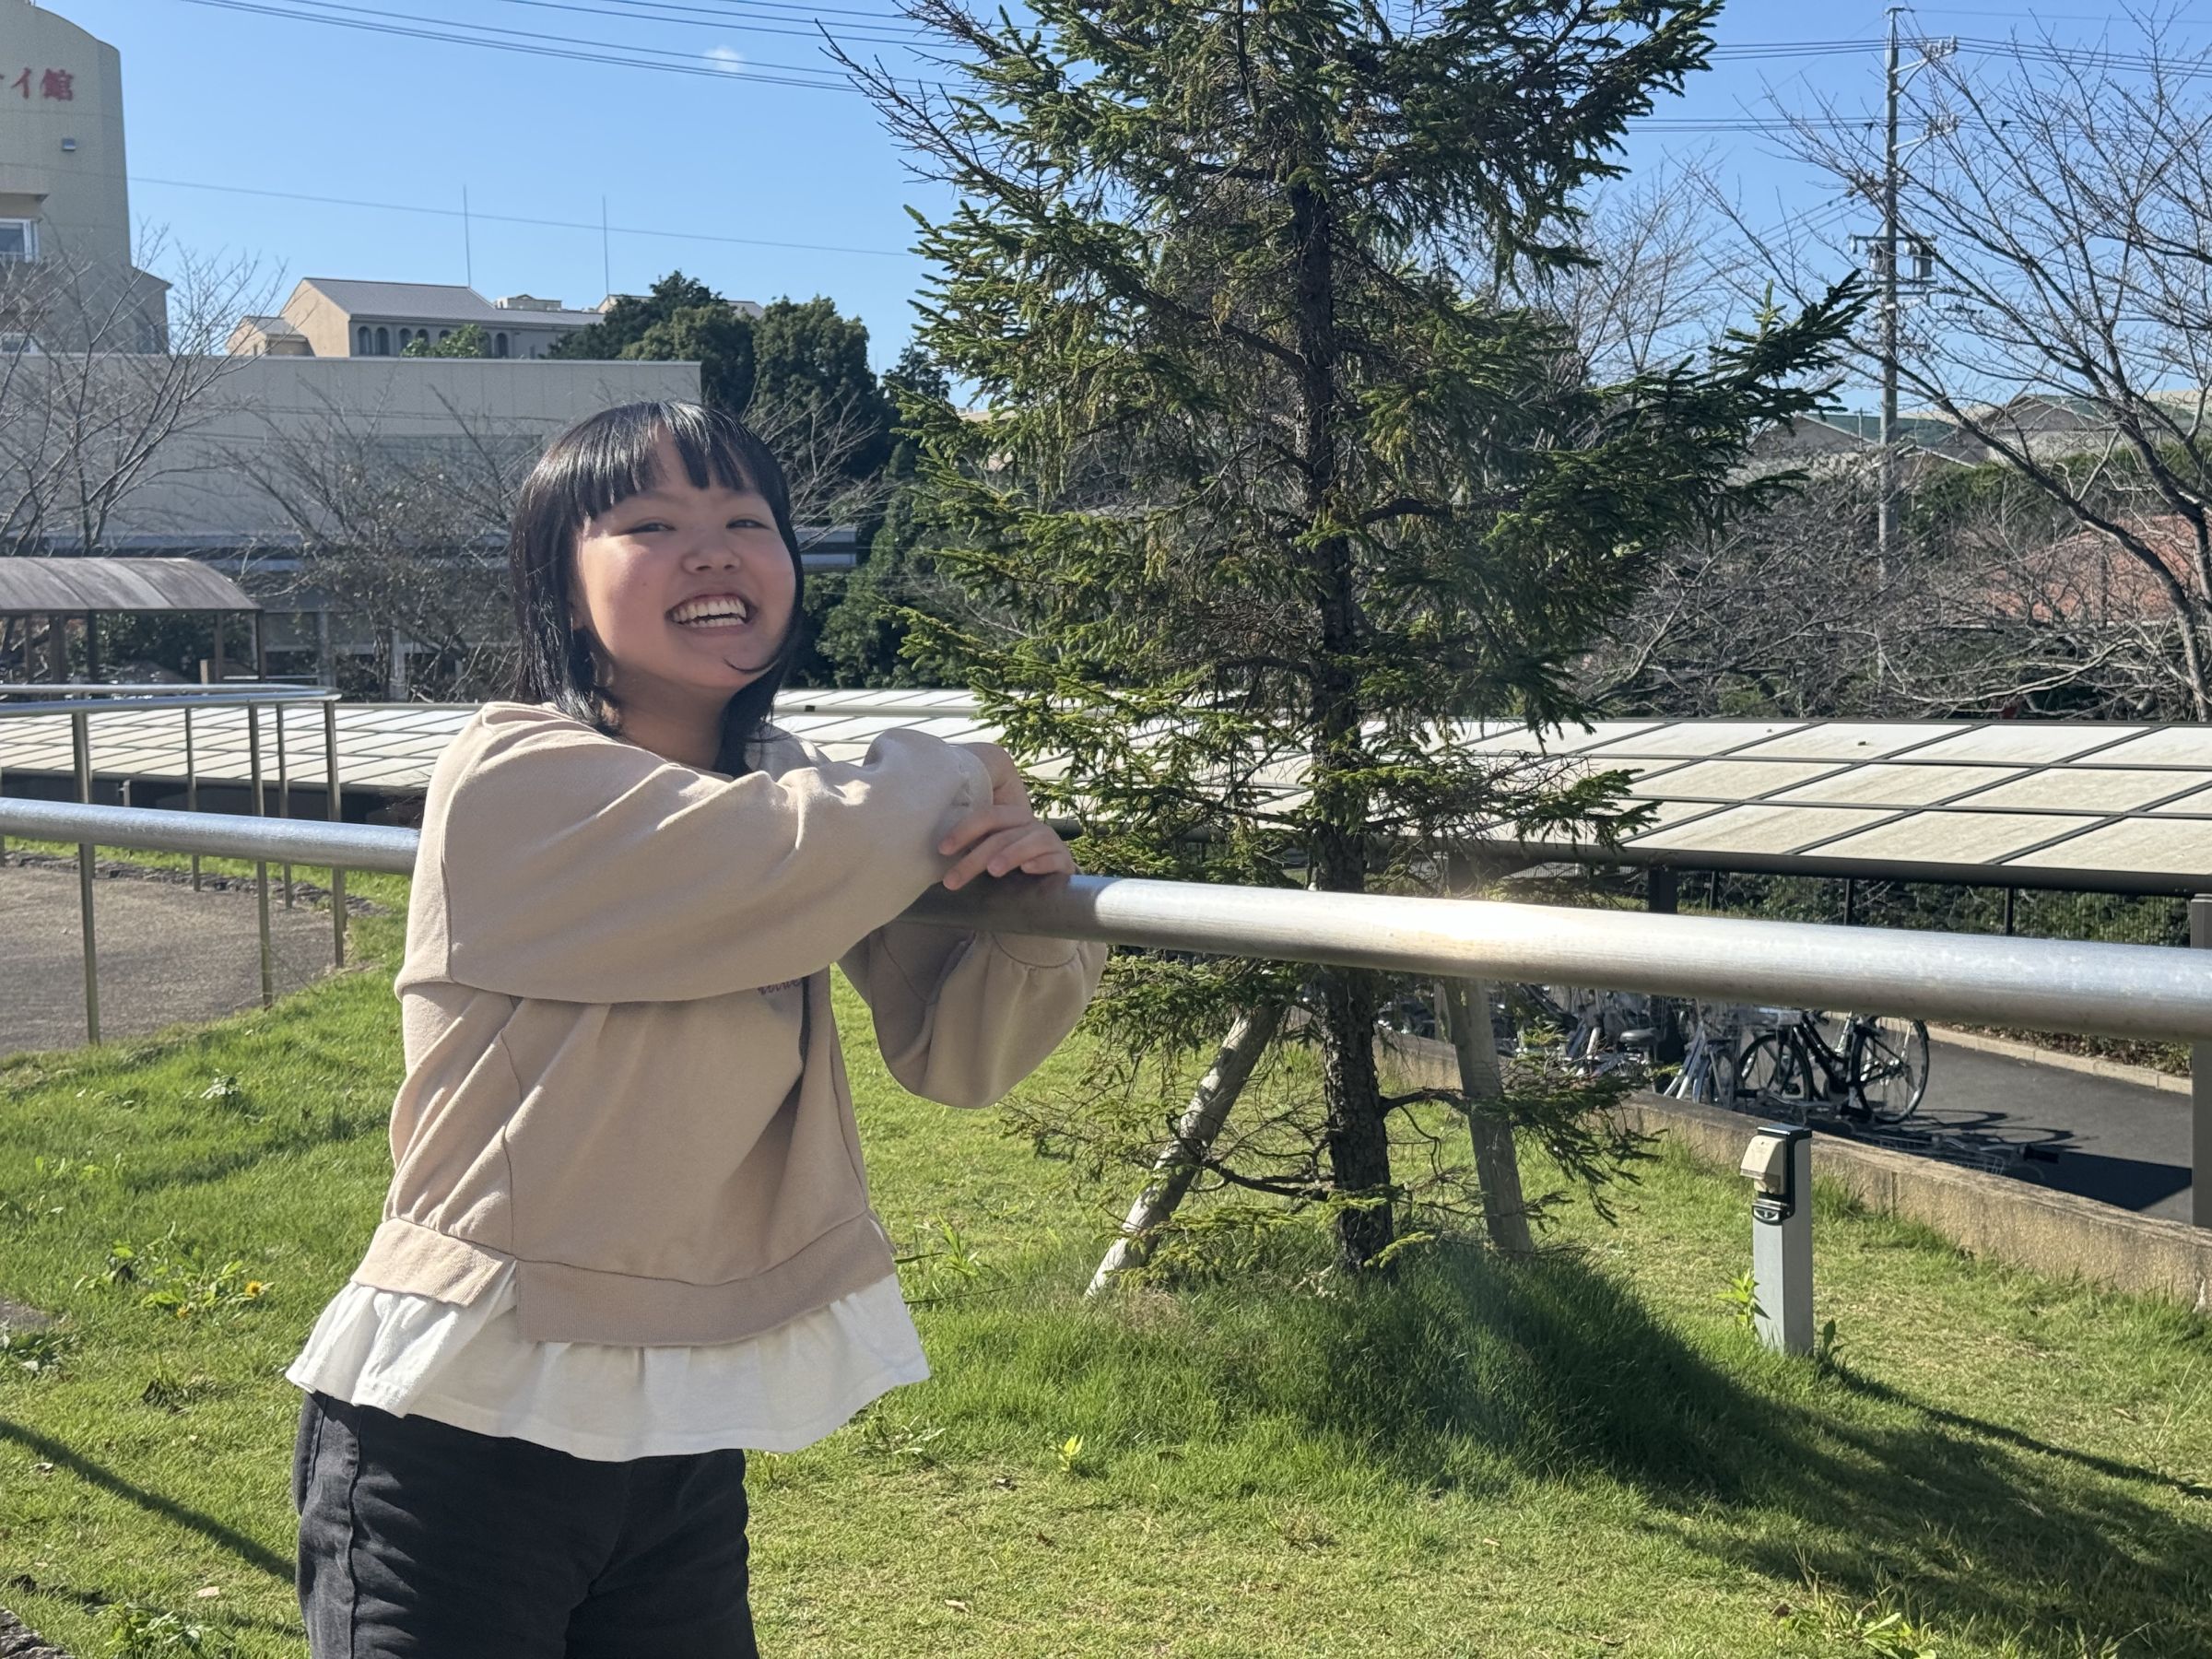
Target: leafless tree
point(2065, 197)
point(403, 534)
point(102, 371)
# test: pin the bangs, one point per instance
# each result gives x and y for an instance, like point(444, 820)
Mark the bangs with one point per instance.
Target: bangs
point(612, 457)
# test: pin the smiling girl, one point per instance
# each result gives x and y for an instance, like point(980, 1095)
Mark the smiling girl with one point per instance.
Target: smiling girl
point(627, 1233)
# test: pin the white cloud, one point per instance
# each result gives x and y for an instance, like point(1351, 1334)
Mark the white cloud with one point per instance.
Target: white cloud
point(727, 59)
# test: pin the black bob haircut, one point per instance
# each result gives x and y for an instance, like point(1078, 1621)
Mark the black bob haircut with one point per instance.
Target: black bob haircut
point(583, 472)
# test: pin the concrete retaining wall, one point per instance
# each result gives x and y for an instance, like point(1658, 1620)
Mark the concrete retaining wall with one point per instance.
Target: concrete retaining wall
point(1994, 1215)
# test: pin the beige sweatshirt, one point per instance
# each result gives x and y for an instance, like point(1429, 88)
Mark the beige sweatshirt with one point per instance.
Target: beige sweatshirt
point(622, 1072)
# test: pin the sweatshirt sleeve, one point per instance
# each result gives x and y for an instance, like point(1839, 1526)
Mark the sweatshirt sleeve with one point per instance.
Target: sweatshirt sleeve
point(961, 1017)
point(579, 868)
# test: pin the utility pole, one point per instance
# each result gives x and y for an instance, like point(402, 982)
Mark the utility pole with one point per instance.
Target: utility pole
point(1885, 542)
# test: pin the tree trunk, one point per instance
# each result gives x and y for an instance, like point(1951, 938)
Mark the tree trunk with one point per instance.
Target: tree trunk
point(1178, 1162)
point(1357, 1139)
point(1497, 1163)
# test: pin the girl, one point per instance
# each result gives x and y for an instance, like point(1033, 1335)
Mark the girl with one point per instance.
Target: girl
point(628, 1231)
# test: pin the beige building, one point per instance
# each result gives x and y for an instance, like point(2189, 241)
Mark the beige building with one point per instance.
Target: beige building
point(337, 317)
point(65, 193)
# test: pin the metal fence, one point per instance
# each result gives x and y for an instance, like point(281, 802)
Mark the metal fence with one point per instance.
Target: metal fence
point(80, 704)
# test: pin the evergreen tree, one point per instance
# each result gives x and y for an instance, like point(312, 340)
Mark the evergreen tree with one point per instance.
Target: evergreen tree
point(1278, 478)
point(680, 320)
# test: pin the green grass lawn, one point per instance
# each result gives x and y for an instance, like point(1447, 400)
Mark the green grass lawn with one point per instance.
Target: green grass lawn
point(1583, 1455)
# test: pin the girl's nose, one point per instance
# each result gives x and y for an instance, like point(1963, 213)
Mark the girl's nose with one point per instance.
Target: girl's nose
point(711, 552)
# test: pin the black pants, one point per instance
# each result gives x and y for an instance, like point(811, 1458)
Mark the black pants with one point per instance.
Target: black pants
point(420, 1539)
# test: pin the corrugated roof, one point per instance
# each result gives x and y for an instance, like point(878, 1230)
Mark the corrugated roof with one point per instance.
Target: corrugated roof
point(431, 301)
point(36, 586)
point(2028, 804)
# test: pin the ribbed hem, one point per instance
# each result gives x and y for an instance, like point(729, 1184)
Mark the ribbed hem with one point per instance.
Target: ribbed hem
point(555, 1301)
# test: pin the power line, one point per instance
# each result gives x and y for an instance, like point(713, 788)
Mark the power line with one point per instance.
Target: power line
point(510, 218)
point(721, 22)
point(698, 66)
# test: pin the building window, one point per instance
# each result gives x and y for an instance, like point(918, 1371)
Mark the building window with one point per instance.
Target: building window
point(364, 342)
point(18, 345)
point(384, 342)
point(444, 334)
point(499, 345)
point(19, 238)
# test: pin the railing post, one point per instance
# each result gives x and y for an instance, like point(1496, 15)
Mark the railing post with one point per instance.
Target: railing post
point(2200, 1086)
point(284, 796)
point(1662, 897)
point(80, 738)
point(260, 868)
point(336, 813)
point(191, 790)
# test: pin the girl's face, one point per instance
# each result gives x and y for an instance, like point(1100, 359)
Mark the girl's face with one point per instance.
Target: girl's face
point(687, 592)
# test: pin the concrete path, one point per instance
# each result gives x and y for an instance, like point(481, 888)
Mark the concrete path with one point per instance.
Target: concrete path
point(166, 954)
point(2121, 1143)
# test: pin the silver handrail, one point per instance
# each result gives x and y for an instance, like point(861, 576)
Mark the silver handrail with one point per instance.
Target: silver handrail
point(80, 702)
point(2145, 990)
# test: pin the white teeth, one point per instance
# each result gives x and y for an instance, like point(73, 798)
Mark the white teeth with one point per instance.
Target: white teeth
point(713, 610)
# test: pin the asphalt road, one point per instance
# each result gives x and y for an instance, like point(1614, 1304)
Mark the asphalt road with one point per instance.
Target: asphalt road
point(2120, 1143)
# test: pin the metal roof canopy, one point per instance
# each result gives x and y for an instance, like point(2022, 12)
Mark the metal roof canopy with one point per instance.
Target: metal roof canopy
point(78, 587)
point(2047, 804)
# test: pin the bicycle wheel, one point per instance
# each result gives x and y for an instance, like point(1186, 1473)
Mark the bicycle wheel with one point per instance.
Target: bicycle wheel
point(1890, 1067)
point(1770, 1069)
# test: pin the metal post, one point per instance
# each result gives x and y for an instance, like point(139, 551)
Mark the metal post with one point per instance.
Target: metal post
point(2200, 1086)
point(2012, 896)
point(92, 647)
point(284, 796)
point(1780, 1163)
point(191, 790)
point(80, 739)
point(1662, 896)
point(336, 814)
point(326, 665)
point(1851, 902)
point(260, 868)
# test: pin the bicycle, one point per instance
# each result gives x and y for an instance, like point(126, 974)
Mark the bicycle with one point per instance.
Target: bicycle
point(1876, 1072)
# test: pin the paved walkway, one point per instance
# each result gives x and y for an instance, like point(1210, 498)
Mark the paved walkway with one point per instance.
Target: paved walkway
point(166, 954)
point(2120, 1143)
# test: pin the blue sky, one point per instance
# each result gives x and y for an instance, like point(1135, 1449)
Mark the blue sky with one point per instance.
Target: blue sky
point(256, 103)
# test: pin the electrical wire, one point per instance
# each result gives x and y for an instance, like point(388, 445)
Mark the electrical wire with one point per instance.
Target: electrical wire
point(510, 218)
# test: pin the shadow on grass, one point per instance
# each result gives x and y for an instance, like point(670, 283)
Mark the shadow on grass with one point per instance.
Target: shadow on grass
point(1469, 1371)
point(51, 1450)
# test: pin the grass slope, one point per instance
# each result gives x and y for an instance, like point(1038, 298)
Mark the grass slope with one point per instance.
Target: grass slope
point(1581, 1456)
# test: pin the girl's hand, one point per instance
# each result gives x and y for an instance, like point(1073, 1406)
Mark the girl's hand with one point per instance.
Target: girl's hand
point(1007, 787)
point(1007, 835)
point(998, 839)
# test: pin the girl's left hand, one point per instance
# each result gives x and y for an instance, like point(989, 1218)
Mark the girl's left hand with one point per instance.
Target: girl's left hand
point(1000, 839)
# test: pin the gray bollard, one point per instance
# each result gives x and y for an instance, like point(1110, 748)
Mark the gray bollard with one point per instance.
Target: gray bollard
point(1779, 1164)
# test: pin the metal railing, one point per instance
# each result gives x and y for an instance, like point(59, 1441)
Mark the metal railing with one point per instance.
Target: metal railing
point(80, 703)
point(2139, 991)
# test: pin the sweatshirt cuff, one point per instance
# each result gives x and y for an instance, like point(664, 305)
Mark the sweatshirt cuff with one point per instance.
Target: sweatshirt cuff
point(1036, 950)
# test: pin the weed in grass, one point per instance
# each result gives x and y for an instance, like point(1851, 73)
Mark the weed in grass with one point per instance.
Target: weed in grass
point(1071, 1456)
point(165, 1391)
point(174, 1274)
point(137, 1632)
point(224, 1091)
point(1741, 1299)
point(34, 1353)
point(888, 1434)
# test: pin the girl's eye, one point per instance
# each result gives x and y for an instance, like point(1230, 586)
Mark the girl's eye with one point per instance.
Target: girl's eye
point(648, 524)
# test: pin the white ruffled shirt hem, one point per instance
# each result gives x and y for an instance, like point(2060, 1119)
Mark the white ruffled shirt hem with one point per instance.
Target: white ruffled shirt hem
point(470, 1366)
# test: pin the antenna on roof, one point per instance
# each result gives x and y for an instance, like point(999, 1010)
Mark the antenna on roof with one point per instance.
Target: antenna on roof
point(468, 255)
point(606, 264)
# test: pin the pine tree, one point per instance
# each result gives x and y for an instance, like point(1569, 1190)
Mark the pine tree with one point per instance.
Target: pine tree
point(1275, 476)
